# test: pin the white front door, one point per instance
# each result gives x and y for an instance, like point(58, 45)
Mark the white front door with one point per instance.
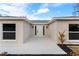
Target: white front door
point(39, 30)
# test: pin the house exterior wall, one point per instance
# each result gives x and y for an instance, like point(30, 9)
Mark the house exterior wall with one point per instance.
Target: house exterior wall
point(64, 25)
point(19, 34)
point(46, 31)
point(27, 31)
point(60, 26)
point(52, 29)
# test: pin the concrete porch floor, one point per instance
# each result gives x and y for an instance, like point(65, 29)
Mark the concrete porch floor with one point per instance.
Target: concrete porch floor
point(35, 46)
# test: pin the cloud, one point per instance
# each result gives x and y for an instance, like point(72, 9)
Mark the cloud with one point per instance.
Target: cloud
point(12, 9)
point(44, 8)
point(32, 17)
point(57, 4)
point(20, 9)
point(44, 5)
point(41, 11)
point(15, 9)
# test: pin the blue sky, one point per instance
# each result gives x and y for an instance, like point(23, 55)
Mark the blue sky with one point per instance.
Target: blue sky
point(37, 11)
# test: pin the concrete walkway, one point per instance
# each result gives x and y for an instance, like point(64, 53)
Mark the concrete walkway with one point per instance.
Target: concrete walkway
point(35, 46)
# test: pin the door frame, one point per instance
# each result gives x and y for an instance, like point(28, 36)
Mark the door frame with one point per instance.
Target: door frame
point(41, 29)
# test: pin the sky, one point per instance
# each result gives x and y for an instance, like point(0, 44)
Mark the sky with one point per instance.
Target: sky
point(37, 11)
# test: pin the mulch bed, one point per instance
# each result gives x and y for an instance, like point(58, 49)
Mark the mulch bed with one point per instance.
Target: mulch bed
point(66, 49)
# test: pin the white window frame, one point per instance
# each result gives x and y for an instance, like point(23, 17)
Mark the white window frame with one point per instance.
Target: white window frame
point(9, 31)
point(74, 32)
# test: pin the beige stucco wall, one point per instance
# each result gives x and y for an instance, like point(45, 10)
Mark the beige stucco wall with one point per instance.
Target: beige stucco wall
point(27, 31)
point(46, 31)
point(63, 26)
point(19, 34)
point(52, 29)
point(60, 26)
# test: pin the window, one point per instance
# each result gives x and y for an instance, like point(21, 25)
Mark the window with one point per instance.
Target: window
point(74, 36)
point(73, 27)
point(43, 30)
point(9, 31)
point(8, 27)
point(8, 35)
point(73, 31)
point(35, 30)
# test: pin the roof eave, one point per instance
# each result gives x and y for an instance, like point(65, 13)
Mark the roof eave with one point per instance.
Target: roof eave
point(61, 19)
point(11, 18)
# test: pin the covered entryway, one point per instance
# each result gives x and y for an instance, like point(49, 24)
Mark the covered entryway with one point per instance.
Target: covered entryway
point(39, 30)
